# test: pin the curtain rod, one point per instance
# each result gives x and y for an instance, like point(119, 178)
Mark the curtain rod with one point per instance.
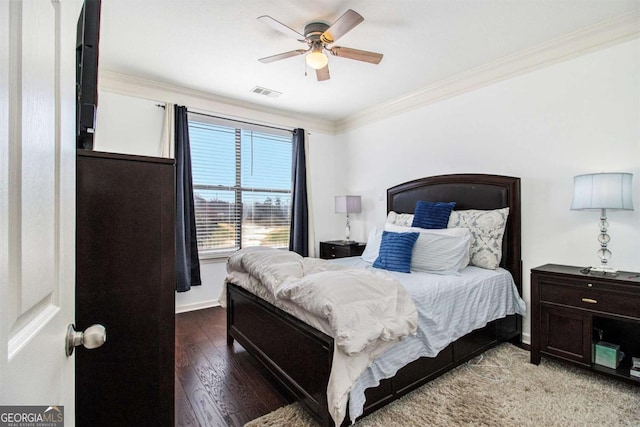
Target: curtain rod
point(240, 121)
point(232, 120)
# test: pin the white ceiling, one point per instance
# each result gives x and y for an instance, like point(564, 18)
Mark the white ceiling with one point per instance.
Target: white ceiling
point(214, 45)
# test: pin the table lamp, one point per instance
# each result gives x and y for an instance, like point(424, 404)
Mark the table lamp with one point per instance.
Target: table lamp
point(602, 191)
point(347, 205)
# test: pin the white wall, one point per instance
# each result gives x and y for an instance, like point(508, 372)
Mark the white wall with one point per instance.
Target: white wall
point(128, 125)
point(325, 164)
point(579, 116)
point(212, 273)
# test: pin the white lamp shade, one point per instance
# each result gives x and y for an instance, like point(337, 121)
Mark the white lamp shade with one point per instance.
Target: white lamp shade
point(602, 191)
point(348, 204)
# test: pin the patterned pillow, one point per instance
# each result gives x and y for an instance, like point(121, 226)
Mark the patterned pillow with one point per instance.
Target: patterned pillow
point(432, 214)
point(395, 251)
point(487, 228)
point(402, 219)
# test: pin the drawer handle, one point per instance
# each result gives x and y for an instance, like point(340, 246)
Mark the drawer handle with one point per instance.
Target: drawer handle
point(589, 300)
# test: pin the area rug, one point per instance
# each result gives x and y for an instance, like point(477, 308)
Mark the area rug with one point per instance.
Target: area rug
point(500, 388)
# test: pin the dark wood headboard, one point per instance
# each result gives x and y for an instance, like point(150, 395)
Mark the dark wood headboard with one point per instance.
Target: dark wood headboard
point(470, 191)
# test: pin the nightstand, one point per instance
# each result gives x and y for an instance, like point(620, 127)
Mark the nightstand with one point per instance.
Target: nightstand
point(571, 310)
point(340, 249)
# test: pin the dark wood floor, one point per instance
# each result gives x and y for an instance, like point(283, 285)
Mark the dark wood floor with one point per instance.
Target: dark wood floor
point(216, 384)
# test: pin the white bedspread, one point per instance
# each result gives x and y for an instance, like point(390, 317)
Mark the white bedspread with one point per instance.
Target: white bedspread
point(367, 311)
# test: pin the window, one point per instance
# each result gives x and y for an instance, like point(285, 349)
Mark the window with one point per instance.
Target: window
point(241, 185)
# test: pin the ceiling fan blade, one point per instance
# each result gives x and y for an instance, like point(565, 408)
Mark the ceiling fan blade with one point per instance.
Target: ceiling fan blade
point(357, 54)
point(277, 25)
point(280, 56)
point(342, 26)
point(323, 73)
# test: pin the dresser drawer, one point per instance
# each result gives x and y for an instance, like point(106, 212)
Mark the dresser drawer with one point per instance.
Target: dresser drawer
point(596, 298)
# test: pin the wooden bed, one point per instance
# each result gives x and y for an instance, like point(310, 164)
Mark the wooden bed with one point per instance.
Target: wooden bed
point(299, 356)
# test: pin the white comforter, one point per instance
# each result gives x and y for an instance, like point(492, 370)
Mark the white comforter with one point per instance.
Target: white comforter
point(366, 311)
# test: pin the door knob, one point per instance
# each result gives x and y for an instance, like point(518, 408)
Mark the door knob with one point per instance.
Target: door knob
point(93, 337)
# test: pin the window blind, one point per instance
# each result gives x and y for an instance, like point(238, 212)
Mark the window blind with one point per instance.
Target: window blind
point(241, 185)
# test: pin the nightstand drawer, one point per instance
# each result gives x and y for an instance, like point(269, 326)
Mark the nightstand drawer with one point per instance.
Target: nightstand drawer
point(340, 249)
point(580, 295)
point(333, 251)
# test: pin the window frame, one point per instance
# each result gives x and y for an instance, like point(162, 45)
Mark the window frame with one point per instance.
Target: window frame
point(239, 127)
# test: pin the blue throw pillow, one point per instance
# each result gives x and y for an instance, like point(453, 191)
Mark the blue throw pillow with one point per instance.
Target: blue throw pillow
point(395, 251)
point(432, 214)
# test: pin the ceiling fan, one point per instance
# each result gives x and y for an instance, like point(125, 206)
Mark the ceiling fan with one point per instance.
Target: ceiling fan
point(319, 37)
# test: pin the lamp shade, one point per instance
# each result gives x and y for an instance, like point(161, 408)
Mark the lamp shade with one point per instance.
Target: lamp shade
point(317, 59)
point(348, 204)
point(602, 191)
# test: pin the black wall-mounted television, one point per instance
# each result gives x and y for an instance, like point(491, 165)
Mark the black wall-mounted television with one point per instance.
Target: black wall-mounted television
point(87, 40)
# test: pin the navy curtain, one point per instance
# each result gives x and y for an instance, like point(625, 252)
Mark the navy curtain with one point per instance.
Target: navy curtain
point(187, 261)
point(299, 233)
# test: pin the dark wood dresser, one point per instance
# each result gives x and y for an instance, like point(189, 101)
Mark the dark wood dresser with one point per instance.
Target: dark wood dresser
point(125, 280)
point(340, 249)
point(572, 311)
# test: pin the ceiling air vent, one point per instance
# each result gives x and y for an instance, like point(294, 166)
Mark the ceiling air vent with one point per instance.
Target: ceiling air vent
point(266, 92)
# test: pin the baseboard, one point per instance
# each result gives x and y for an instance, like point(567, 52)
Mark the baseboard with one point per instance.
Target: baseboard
point(183, 308)
point(526, 338)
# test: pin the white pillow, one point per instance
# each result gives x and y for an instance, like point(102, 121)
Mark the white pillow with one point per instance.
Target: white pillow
point(455, 232)
point(400, 219)
point(441, 251)
point(487, 228)
point(373, 245)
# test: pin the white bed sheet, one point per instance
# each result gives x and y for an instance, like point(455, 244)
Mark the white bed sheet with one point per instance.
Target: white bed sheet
point(449, 307)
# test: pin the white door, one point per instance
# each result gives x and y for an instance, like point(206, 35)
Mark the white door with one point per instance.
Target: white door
point(37, 201)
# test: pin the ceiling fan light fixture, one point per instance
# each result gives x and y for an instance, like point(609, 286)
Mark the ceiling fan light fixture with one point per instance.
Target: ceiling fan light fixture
point(317, 60)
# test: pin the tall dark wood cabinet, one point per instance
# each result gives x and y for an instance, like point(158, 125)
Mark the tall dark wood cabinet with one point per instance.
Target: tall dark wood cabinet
point(125, 279)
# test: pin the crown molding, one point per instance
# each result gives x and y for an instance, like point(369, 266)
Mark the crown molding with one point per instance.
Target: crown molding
point(599, 36)
point(125, 84)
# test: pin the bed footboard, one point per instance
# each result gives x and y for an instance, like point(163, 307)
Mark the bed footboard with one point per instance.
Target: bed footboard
point(297, 355)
